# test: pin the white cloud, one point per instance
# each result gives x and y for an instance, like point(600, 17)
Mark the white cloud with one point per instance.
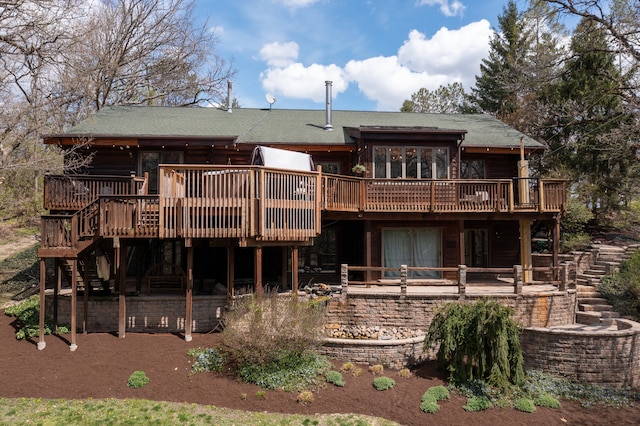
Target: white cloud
point(448, 56)
point(456, 53)
point(298, 81)
point(294, 4)
point(279, 54)
point(447, 7)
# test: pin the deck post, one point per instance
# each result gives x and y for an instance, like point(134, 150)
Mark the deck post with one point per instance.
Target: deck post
point(403, 279)
point(188, 316)
point(344, 279)
point(122, 290)
point(230, 274)
point(294, 270)
point(257, 271)
point(85, 300)
point(367, 249)
point(556, 246)
point(462, 281)
point(525, 249)
point(74, 304)
point(56, 292)
point(43, 277)
point(517, 279)
point(285, 260)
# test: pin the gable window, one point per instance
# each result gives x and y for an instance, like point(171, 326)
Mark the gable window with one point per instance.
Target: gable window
point(149, 161)
point(411, 162)
point(411, 247)
point(472, 169)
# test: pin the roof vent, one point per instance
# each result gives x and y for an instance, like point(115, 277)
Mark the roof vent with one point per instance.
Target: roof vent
point(328, 125)
point(229, 90)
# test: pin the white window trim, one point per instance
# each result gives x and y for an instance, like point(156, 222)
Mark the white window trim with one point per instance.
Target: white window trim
point(434, 171)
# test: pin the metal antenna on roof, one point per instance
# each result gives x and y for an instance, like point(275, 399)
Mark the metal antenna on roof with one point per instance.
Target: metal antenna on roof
point(270, 99)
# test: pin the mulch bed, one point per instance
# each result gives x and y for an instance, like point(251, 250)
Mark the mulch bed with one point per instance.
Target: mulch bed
point(102, 364)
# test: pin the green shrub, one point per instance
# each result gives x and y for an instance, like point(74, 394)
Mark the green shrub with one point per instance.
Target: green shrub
point(437, 393)
point(478, 341)
point(622, 288)
point(257, 331)
point(477, 403)
point(335, 378)
point(525, 404)
point(207, 359)
point(288, 371)
point(137, 379)
point(576, 218)
point(547, 401)
point(577, 241)
point(429, 405)
point(383, 383)
point(28, 315)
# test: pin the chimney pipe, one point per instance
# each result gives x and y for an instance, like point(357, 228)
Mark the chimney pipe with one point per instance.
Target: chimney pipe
point(229, 91)
point(328, 125)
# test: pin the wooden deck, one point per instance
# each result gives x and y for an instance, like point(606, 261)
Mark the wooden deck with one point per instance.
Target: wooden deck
point(261, 204)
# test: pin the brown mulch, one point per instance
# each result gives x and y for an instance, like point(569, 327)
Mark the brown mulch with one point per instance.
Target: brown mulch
point(101, 365)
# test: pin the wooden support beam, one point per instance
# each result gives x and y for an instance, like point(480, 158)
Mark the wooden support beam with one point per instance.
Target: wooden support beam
point(230, 274)
point(43, 276)
point(122, 290)
point(257, 271)
point(461, 259)
point(188, 316)
point(556, 247)
point(525, 250)
point(285, 261)
point(294, 270)
point(56, 293)
point(74, 304)
point(85, 300)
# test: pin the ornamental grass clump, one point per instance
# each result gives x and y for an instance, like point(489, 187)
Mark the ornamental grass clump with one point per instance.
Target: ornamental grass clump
point(477, 403)
point(525, 405)
point(477, 341)
point(429, 400)
point(547, 401)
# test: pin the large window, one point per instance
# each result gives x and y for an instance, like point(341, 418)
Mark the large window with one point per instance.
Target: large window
point(411, 247)
point(472, 169)
point(411, 162)
point(149, 162)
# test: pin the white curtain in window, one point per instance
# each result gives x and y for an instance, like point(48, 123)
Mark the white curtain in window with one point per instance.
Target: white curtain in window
point(412, 247)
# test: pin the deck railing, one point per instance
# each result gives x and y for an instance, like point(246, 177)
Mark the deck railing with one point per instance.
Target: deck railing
point(342, 193)
point(238, 202)
point(74, 192)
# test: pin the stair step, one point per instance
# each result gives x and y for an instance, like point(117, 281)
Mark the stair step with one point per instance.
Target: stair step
point(588, 318)
point(609, 314)
point(592, 300)
point(585, 307)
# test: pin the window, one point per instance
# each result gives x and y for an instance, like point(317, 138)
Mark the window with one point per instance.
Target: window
point(411, 162)
point(331, 168)
point(472, 169)
point(150, 161)
point(411, 247)
point(321, 257)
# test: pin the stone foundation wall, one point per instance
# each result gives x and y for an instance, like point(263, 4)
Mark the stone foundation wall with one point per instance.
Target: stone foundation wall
point(147, 314)
point(607, 358)
point(417, 311)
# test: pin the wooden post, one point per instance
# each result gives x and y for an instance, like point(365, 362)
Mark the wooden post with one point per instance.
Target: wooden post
point(525, 249)
point(517, 279)
point(122, 287)
point(74, 304)
point(56, 293)
point(556, 246)
point(462, 281)
point(284, 274)
point(43, 276)
point(403, 279)
point(294, 270)
point(188, 316)
point(230, 274)
point(461, 259)
point(85, 300)
point(257, 271)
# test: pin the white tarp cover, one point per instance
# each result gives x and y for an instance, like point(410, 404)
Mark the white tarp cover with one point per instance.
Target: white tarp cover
point(281, 159)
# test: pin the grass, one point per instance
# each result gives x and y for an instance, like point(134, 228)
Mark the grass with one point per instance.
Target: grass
point(136, 411)
point(18, 274)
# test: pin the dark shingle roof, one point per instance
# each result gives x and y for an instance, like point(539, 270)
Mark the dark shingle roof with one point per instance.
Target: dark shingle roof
point(261, 126)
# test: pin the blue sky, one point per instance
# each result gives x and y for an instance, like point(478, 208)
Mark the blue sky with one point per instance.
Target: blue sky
point(376, 52)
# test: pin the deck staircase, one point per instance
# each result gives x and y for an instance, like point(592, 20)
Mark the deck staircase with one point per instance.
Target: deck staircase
point(593, 309)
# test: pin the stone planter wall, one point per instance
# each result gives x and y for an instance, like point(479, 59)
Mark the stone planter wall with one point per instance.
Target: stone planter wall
point(609, 358)
point(390, 353)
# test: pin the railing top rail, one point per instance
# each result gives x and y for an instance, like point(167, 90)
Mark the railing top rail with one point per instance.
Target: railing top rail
point(208, 167)
point(93, 177)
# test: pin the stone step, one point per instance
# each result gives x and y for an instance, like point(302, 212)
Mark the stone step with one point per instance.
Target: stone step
point(592, 300)
point(588, 318)
point(600, 266)
point(609, 314)
point(586, 307)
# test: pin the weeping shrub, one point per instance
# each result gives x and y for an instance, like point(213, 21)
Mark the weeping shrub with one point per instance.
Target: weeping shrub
point(477, 341)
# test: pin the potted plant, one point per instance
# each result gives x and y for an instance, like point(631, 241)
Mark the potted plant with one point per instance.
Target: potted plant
point(358, 169)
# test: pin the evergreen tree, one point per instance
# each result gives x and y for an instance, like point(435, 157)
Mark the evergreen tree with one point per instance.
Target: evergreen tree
point(449, 99)
point(501, 80)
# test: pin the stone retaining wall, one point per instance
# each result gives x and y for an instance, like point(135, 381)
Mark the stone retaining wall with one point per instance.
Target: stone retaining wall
point(390, 353)
point(147, 314)
point(546, 309)
point(608, 358)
